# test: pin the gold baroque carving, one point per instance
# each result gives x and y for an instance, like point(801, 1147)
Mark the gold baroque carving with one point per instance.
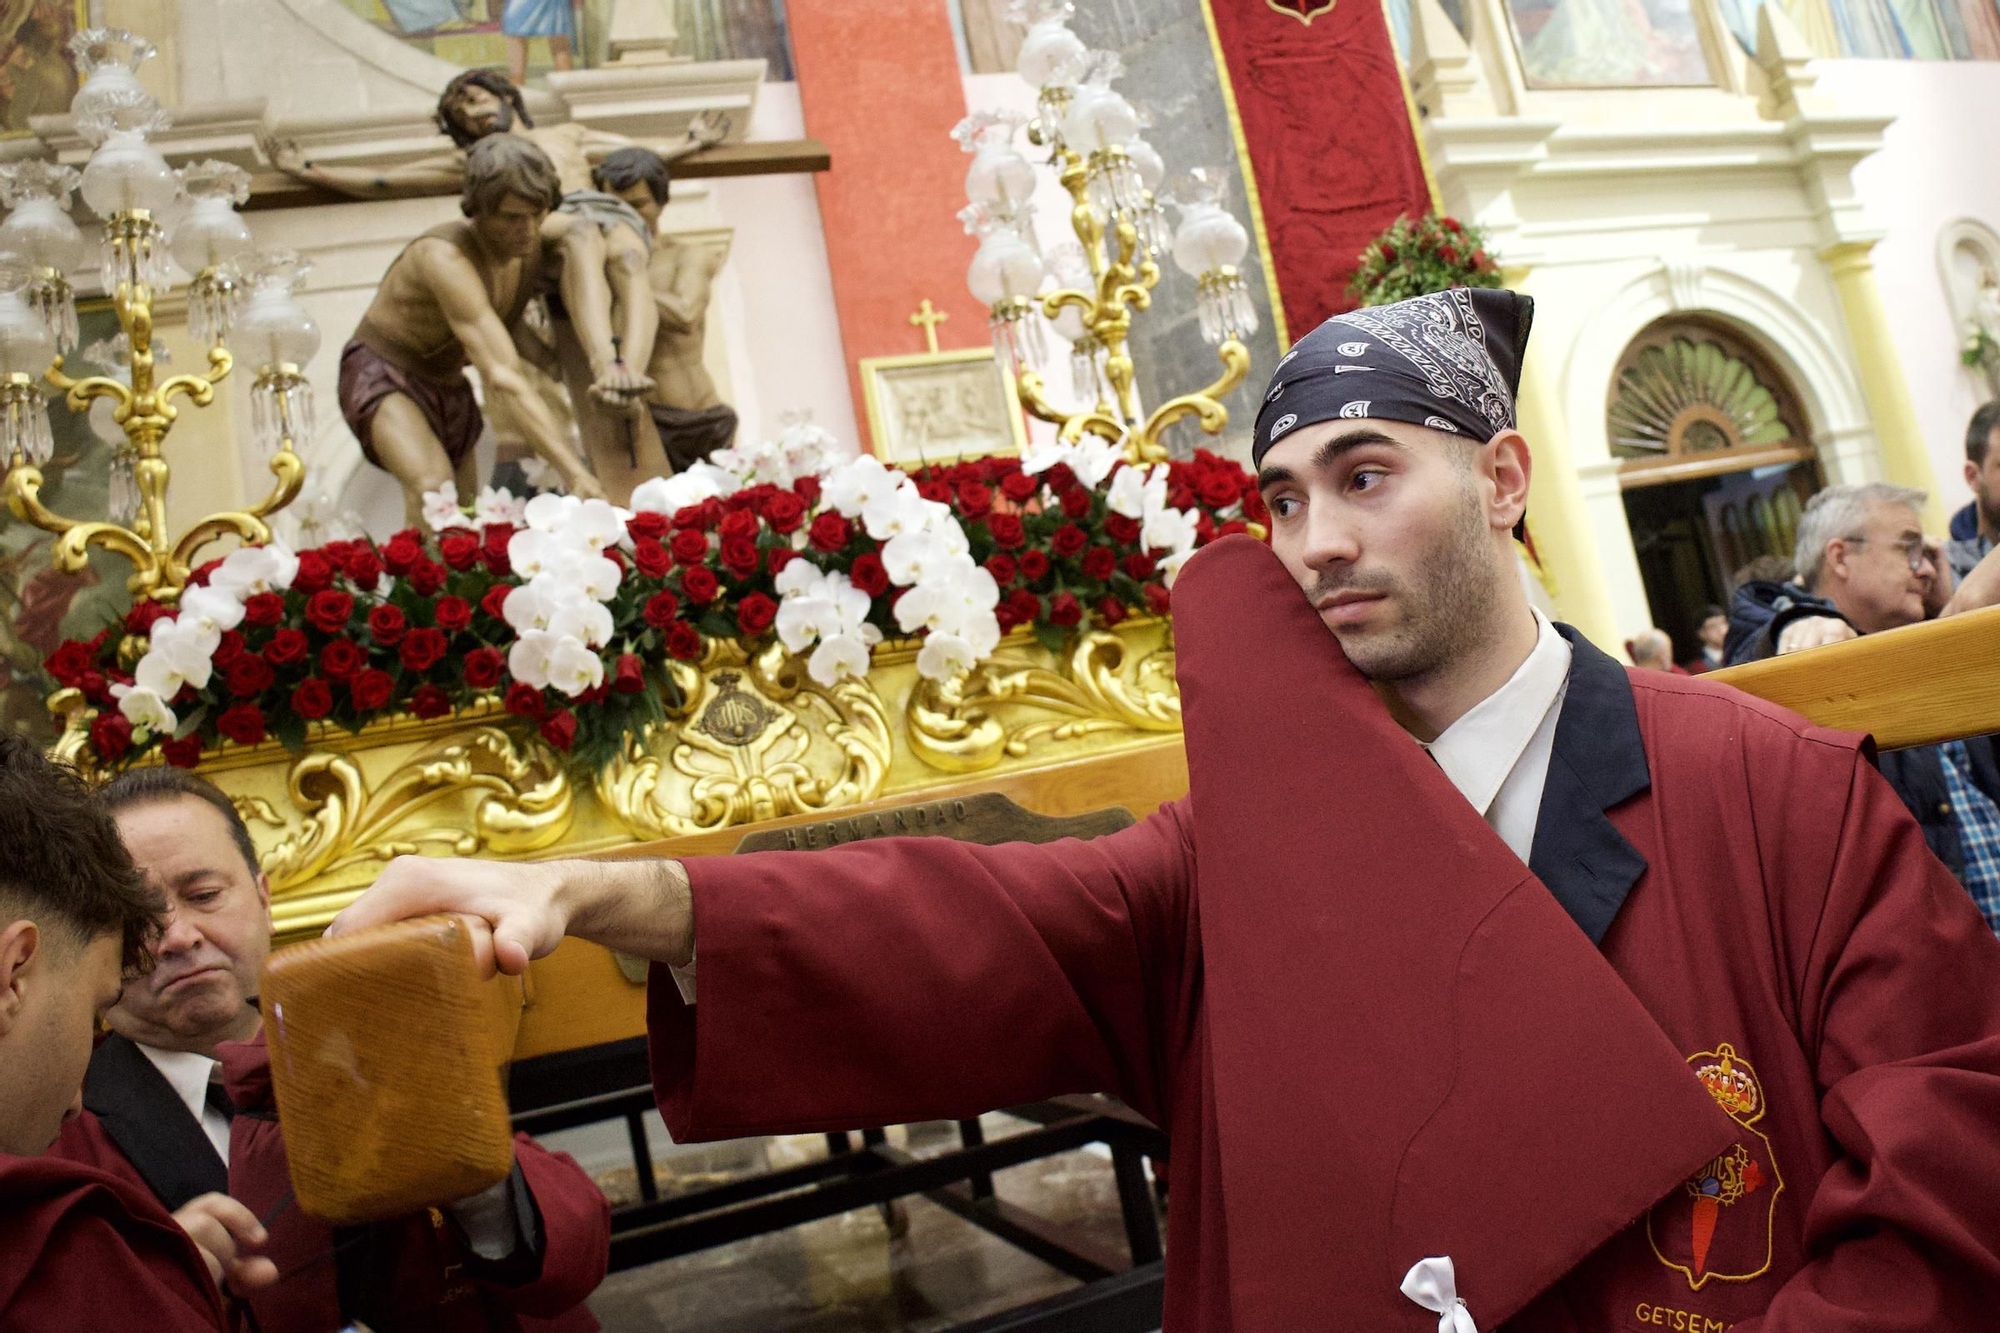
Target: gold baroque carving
point(754, 739)
point(522, 802)
point(955, 725)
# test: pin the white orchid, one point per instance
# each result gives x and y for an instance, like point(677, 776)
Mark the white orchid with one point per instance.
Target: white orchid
point(209, 609)
point(586, 621)
point(1039, 460)
point(574, 668)
point(597, 524)
point(441, 508)
point(533, 552)
point(529, 659)
point(1127, 495)
point(901, 509)
point(594, 576)
point(176, 655)
point(840, 656)
point(145, 709)
point(1092, 460)
point(550, 513)
point(915, 557)
point(800, 578)
point(529, 607)
point(539, 473)
point(670, 495)
point(829, 606)
point(860, 482)
point(1169, 529)
point(1170, 566)
point(497, 504)
point(250, 570)
point(944, 656)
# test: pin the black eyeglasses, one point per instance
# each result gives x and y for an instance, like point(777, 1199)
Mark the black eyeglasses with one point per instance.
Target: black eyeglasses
point(1913, 548)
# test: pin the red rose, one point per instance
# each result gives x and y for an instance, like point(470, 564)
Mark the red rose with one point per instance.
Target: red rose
point(286, 647)
point(182, 753)
point(1064, 610)
point(559, 729)
point(646, 525)
point(935, 490)
point(459, 547)
point(201, 576)
point(1180, 495)
point(807, 489)
point(868, 575)
point(651, 558)
point(1099, 563)
point(427, 577)
point(524, 700)
point(452, 614)
point(974, 500)
point(483, 667)
point(1059, 478)
point(1254, 510)
point(340, 659)
point(754, 614)
point(703, 516)
point(68, 663)
point(1450, 225)
point(683, 641)
point(1218, 490)
point(111, 735)
point(690, 546)
point(1158, 600)
point(661, 608)
point(329, 611)
point(1139, 566)
point(95, 688)
point(362, 567)
point(370, 689)
point(628, 674)
point(830, 532)
point(739, 523)
point(1388, 253)
point(739, 556)
point(242, 723)
point(1025, 606)
point(494, 603)
point(785, 511)
point(264, 608)
point(699, 584)
point(386, 625)
point(227, 649)
point(494, 549)
point(313, 699)
point(249, 676)
point(1002, 568)
point(1110, 611)
point(400, 556)
point(1480, 260)
point(777, 558)
point(430, 701)
point(1204, 530)
point(1034, 565)
point(1018, 486)
point(1076, 503)
point(422, 649)
point(315, 573)
point(1007, 531)
point(1069, 540)
point(1448, 253)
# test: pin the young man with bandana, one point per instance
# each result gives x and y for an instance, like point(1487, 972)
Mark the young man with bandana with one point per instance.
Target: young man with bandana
point(1474, 967)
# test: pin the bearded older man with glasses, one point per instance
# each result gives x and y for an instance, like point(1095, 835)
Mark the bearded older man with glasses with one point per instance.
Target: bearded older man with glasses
point(1865, 566)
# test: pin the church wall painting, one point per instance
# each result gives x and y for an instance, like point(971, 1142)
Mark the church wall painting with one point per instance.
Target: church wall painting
point(37, 74)
point(1609, 43)
point(939, 407)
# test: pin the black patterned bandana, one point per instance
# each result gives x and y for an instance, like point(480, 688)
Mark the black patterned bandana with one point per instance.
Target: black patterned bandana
point(1448, 360)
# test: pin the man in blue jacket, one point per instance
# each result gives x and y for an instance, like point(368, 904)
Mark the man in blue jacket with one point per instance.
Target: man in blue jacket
point(1976, 527)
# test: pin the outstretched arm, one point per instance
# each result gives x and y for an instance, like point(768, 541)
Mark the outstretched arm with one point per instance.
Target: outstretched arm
point(461, 295)
point(441, 174)
point(706, 131)
point(586, 294)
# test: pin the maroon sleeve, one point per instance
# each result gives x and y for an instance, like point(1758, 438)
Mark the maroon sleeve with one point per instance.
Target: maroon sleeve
point(923, 979)
point(576, 1232)
point(1900, 1009)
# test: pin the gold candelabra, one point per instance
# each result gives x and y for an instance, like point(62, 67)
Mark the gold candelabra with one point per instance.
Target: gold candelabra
point(128, 183)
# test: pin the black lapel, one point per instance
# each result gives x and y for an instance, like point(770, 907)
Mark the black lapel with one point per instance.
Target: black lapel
point(1598, 761)
point(150, 1124)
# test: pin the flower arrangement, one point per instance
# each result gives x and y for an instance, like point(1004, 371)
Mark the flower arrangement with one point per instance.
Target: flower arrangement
point(1978, 349)
point(1427, 254)
point(571, 612)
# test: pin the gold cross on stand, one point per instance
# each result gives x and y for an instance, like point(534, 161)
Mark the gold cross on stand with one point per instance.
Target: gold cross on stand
point(930, 317)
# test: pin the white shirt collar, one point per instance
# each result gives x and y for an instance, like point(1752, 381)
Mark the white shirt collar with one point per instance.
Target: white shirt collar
point(1481, 749)
point(188, 1073)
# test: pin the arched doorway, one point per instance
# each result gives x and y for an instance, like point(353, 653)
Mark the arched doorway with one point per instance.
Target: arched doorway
point(1716, 464)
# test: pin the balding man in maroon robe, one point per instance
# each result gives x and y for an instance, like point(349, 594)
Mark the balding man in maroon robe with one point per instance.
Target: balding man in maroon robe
point(1473, 967)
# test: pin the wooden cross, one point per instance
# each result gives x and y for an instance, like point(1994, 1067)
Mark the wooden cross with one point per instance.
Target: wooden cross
point(930, 317)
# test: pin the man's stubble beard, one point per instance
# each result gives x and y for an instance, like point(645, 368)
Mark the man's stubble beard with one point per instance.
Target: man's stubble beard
point(1447, 608)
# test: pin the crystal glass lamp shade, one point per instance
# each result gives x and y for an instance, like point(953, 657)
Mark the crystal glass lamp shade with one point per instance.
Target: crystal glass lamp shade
point(211, 233)
point(998, 175)
point(1051, 55)
point(1146, 160)
point(1099, 118)
point(1207, 239)
point(27, 347)
point(1005, 267)
point(111, 99)
point(40, 231)
point(274, 329)
point(126, 172)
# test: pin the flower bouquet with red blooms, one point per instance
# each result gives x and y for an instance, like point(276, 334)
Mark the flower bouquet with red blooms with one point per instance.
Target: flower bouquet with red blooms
point(573, 613)
point(1428, 254)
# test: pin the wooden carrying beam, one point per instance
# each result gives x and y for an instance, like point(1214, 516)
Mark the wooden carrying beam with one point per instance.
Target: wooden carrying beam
point(1938, 681)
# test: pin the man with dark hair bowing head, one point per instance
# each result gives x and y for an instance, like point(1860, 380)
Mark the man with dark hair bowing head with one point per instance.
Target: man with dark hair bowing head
point(1474, 968)
point(80, 1249)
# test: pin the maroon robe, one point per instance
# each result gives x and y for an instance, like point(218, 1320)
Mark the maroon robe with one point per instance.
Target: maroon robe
point(429, 1281)
point(83, 1249)
point(1372, 1036)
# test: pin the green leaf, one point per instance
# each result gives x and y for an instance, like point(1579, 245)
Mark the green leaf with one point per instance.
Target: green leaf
point(290, 729)
point(1052, 637)
point(716, 625)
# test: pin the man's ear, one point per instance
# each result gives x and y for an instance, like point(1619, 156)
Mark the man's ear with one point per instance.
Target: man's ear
point(1509, 467)
point(20, 942)
point(1838, 561)
point(1972, 474)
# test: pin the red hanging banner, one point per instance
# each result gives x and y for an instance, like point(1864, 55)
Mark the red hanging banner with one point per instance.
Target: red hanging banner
point(1320, 110)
